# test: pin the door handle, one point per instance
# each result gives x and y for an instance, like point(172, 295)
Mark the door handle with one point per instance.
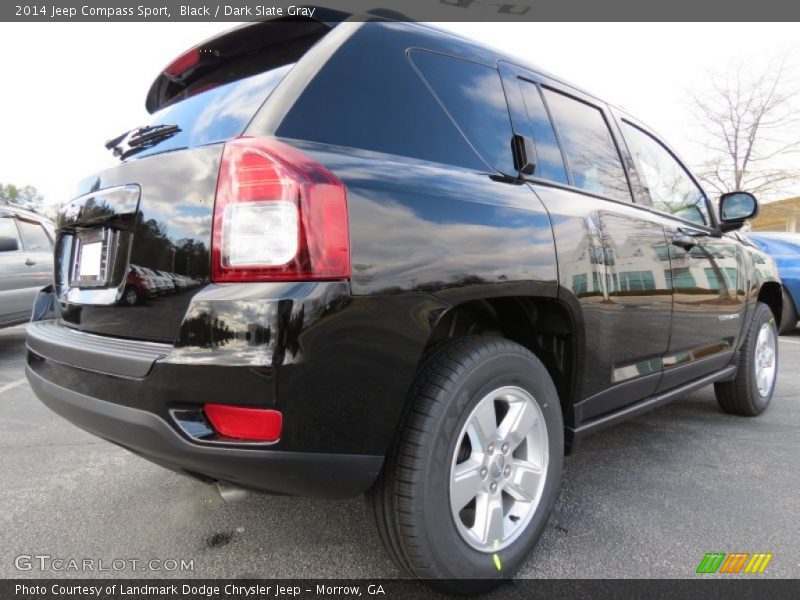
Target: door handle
point(30, 262)
point(683, 240)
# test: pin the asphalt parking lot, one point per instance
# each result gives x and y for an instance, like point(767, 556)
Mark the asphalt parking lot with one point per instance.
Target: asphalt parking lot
point(647, 498)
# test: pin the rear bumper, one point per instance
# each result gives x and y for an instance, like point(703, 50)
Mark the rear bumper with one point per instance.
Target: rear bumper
point(150, 436)
point(336, 366)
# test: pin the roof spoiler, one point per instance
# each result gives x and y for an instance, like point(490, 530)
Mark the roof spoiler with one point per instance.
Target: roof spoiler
point(239, 42)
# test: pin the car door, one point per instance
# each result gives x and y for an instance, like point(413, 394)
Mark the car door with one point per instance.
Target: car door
point(38, 250)
point(609, 267)
point(705, 268)
point(13, 271)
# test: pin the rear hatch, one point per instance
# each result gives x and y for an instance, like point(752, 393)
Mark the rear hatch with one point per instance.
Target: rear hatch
point(154, 209)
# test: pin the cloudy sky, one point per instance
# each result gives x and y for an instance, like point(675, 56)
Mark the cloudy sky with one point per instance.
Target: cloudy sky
point(68, 87)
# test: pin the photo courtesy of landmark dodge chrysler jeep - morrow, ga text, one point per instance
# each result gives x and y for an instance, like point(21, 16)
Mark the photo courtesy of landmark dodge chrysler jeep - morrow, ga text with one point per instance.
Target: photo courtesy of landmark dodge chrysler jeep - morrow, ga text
point(424, 270)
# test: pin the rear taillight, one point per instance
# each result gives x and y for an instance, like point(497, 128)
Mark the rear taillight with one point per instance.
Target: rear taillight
point(278, 216)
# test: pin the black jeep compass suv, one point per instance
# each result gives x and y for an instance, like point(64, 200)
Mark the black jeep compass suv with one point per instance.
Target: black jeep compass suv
point(413, 267)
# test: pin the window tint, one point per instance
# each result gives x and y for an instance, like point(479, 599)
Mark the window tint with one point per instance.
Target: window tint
point(34, 235)
point(669, 186)
point(9, 236)
point(369, 96)
point(549, 161)
point(217, 114)
point(592, 156)
point(473, 95)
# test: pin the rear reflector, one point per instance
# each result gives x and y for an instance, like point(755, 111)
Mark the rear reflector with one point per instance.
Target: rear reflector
point(238, 422)
point(278, 216)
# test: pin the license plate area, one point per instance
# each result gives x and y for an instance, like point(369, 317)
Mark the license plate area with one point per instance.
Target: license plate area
point(93, 258)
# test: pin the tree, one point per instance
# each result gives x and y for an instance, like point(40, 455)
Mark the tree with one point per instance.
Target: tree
point(27, 196)
point(751, 124)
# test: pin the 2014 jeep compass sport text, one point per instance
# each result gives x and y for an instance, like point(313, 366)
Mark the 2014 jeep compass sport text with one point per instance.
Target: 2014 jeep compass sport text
point(394, 262)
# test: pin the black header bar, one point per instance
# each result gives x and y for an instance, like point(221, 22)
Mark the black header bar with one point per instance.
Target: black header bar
point(407, 10)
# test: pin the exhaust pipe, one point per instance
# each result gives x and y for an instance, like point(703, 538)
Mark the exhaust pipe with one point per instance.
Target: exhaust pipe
point(230, 493)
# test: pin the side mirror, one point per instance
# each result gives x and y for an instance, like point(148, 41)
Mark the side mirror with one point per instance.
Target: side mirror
point(735, 208)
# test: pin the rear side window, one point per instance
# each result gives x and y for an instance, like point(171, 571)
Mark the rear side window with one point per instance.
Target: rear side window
point(473, 96)
point(35, 237)
point(9, 236)
point(549, 161)
point(369, 96)
point(592, 155)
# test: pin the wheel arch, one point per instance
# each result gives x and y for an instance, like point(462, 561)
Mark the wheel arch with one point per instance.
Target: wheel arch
point(546, 326)
point(770, 293)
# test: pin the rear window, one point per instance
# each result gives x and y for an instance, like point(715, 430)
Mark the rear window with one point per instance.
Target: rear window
point(473, 96)
point(217, 114)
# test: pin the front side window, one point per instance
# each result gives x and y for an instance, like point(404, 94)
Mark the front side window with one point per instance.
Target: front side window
point(36, 239)
point(592, 155)
point(668, 184)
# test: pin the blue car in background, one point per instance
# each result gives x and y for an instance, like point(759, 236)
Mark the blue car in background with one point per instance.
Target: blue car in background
point(784, 248)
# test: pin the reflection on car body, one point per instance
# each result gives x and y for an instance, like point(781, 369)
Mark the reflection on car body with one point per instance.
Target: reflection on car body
point(144, 284)
point(390, 260)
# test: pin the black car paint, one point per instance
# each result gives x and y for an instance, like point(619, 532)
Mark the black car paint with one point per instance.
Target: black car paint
point(337, 358)
point(287, 346)
point(160, 242)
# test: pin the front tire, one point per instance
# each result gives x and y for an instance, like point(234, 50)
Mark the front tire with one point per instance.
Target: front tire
point(750, 392)
point(788, 314)
point(473, 478)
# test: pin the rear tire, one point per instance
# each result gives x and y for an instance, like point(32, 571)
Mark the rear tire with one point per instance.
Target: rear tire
point(130, 297)
point(788, 314)
point(750, 392)
point(511, 466)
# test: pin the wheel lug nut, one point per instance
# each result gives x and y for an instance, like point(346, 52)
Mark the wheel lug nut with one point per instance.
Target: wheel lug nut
point(493, 487)
point(505, 448)
point(507, 471)
point(483, 473)
point(490, 448)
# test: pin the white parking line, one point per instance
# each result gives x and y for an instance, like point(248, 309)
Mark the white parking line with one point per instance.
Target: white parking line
point(789, 341)
point(12, 385)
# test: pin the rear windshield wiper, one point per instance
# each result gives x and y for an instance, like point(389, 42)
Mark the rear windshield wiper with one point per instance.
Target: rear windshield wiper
point(139, 138)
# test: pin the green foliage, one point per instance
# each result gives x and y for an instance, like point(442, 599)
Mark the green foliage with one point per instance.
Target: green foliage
point(27, 196)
